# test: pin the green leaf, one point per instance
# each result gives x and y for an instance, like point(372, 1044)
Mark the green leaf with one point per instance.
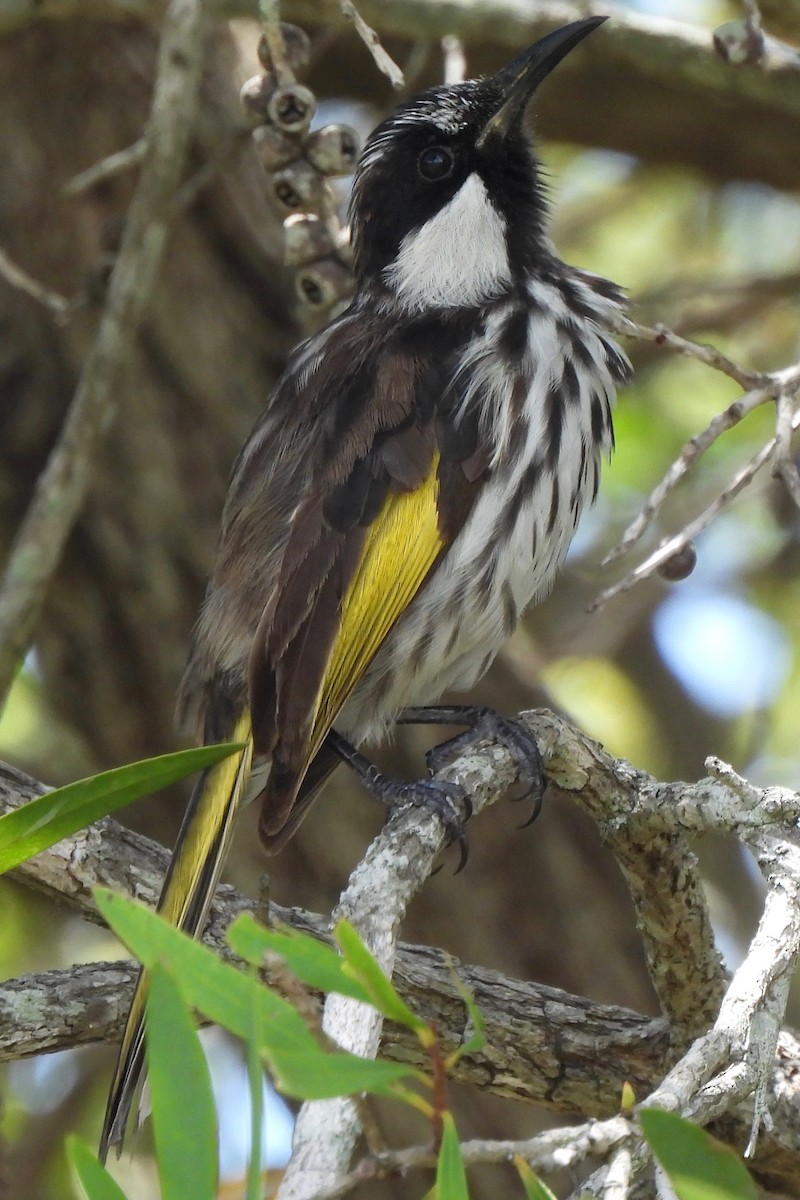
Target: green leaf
point(534, 1188)
point(95, 1180)
point(477, 1039)
point(451, 1178)
point(354, 972)
point(255, 1082)
point(184, 1117)
point(383, 995)
point(313, 962)
point(229, 997)
point(57, 814)
point(698, 1166)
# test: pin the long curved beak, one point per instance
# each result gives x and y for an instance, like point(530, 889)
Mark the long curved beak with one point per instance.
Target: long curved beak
point(519, 80)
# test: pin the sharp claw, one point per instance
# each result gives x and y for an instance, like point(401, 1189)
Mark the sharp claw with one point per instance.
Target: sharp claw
point(520, 743)
point(537, 808)
point(443, 798)
point(464, 848)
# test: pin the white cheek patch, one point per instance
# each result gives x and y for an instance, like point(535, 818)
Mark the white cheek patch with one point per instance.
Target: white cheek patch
point(459, 257)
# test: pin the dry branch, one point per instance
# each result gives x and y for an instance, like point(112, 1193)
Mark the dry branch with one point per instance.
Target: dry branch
point(62, 486)
point(58, 305)
point(779, 387)
point(383, 61)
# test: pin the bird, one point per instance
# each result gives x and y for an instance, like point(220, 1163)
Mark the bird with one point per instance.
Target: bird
point(413, 484)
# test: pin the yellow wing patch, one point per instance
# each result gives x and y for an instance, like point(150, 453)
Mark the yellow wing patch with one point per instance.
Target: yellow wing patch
point(401, 546)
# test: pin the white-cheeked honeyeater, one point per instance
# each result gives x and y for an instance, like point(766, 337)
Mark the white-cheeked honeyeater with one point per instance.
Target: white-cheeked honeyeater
point(413, 485)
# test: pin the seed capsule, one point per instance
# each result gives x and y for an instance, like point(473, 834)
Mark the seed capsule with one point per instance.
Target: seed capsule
point(296, 47)
point(298, 187)
point(306, 239)
point(333, 150)
point(739, 43)
point(321, 284)
point(291, 108)
point(274, 149)
point(255, 96)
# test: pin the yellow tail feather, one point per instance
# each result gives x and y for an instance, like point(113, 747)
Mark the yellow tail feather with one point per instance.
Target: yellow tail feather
point(186, 896)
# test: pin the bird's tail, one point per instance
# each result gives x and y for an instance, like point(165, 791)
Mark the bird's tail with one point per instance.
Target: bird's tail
point(186, 896)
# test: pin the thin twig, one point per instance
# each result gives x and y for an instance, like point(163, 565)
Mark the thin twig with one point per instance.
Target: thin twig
point(383, 61)
point(107, 168)
point(688, 456)
point(563, 1148)
point(269, 16)
point(660, 335)
point(26, 283)
point(678, 541)
point(753, 11)
point(779, 386)
point(62, 486)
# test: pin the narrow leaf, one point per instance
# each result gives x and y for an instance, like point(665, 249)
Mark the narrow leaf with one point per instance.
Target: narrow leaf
point(363, 967)
point(451, 1178)
point(230, 998)
point(534, 1188)
point(697, 1165)
point(65, 810)
point(184, 1118)
point(255, 1082)
point(93, 1177)
point(477, 1038)
point(313, 962)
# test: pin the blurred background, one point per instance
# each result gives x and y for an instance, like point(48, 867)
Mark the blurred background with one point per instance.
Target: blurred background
point(678, 181)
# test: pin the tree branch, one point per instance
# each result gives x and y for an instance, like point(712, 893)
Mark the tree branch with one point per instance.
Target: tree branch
point(383, 61)
point(691, 107)
point(543, 1041)
point(542, 1044)
point(62, 486)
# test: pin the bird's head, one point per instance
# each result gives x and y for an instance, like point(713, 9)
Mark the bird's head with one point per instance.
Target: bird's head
point(448, 208)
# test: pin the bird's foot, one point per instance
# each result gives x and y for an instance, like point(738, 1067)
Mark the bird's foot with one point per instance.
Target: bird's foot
point(489, 724)
point(447, 800)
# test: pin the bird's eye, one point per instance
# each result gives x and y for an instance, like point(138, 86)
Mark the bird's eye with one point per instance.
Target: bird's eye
point(435, 163)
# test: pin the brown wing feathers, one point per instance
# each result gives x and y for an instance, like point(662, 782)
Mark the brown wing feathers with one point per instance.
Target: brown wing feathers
point(382, 421)
point(351, 479)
